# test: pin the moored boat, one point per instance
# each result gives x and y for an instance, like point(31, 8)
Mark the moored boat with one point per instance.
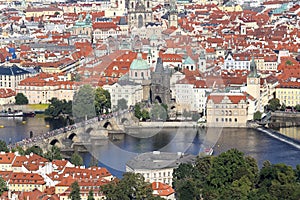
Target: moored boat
point(11, 114)
point(208, 151)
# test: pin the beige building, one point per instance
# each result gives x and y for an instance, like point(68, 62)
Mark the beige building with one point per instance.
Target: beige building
point(10, 76)
point(42, 88)
point(24, 182)
point(229, 109)
point(42, 11)
point(288, 93)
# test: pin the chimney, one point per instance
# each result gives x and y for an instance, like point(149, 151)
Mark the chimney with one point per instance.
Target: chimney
point(157, 185)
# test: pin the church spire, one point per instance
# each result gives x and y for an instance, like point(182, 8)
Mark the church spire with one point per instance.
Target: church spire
point(253, 69)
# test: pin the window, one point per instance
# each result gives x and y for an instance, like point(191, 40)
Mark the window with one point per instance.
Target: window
point(135, 74)
point(235, 119)
point(217, 119)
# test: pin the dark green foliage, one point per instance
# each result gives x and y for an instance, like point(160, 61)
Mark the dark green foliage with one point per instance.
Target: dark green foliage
point(3, 186)
point(122, 104)
point(274, 104)
point(91, 195)
point(83, 103)
point(257, 115)
point(19, 149)
point(21, 99)
point(75, 191)
point(102, 101)
point(231, 175)
point(142, 115)
point(34, 149)
point(3, 146)
point(297, 107)
point(58, 108)
point(76, 159)
point(131, 186)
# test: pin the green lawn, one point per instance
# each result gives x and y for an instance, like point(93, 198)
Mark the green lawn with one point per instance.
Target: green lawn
point(38, 106)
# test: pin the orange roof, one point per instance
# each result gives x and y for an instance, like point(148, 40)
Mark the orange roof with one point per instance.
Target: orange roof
point(234, 98)
point(162, 189)
point(7, 158)
point(26, 178)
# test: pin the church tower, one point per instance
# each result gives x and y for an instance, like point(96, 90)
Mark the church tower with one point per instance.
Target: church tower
point(139, 13)
point(202, 61)
point(253, 83)
point(173, 15)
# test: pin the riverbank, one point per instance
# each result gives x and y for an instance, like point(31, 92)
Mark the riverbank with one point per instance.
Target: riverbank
point(26, 108)
point(167, 124)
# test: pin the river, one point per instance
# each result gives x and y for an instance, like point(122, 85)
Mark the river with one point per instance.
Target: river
point(114, 154)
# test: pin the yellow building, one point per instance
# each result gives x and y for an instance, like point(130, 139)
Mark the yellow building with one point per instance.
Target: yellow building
point(288, 93)
point(229, 109)
point(231, 8)
point(42, 11)
point(24, 182)
point(6, 161)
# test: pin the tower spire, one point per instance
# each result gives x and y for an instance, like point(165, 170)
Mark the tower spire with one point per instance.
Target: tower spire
point(253, 69)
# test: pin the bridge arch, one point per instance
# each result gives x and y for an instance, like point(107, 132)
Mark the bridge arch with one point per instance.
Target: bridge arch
point(107, 125)
point(158, 99)
point(124, 121)
point(72, 136)
point(55, 142)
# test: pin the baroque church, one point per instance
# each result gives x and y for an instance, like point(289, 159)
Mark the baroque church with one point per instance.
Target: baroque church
point(139, 12)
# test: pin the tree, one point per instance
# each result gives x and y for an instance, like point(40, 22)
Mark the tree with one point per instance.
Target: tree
point(137, 111)
point(102, 101)
point(91, 195)
point(75, 191)
point(297, 107)
point(34, 149)
point(58, 108)
point(145, 115)
point(158, 112)
point(131, 186)
point(21, 99)
point(288, 62)
point(3, 186)
point(257, 115)
point(53, 154)
point(186, 114)
point(3, 146)
point(274, 104)
point(76, 159)
point(19, 149)
point(83, 103)
point(283, 107)
point(122, 104)
point(195, 116)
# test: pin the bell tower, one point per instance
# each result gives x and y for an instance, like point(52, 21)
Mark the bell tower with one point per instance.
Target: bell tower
point(173, 14)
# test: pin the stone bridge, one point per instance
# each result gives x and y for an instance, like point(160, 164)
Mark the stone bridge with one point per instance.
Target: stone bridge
point(90, 132)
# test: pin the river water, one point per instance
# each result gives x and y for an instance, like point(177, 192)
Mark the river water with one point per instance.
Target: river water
point(114, 154)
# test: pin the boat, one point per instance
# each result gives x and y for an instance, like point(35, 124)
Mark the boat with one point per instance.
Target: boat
point(29, 114)
point(11, 113)
point(208, 151)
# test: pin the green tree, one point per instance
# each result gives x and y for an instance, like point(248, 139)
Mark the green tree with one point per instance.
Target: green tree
point(131, 186)
point(195, 116)
point(158, 112)
point(83, 103)
point(122, 104)
point(145, 115)
point(34, 149)
point(257, 115)
point(3, 146)
point(76, 159)
point(288, 62)
point(53, 154)
point(91, 195)
point(283, 107)
point(75, 191)
point(19, 149)
point(3, 186)
point(137, 111)
point(102, 101)
point(297, 107)
point(59, 108)
point(274, 104)
point(186, 114)
point(21, 99)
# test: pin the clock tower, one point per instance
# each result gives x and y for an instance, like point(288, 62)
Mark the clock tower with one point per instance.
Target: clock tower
point(253, 83)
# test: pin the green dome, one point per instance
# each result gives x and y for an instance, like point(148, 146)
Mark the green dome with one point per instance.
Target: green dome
point(139, 63)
